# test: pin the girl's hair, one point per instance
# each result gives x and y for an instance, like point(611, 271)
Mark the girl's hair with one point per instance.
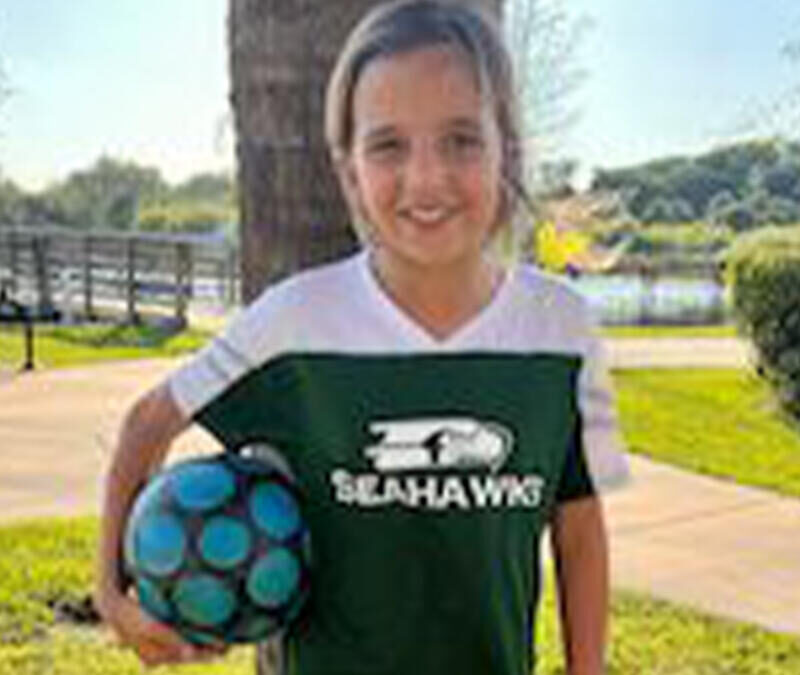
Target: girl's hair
point(406, 25)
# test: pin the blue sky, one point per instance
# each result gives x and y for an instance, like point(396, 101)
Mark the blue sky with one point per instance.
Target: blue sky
point(146, 80)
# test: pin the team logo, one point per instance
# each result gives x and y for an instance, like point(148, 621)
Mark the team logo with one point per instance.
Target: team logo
point(438, 464)
point(438, 444)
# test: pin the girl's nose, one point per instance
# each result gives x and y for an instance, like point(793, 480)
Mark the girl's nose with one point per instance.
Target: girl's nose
point(426, 170)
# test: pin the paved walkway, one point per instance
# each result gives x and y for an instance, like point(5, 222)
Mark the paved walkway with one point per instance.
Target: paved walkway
point(730, 550)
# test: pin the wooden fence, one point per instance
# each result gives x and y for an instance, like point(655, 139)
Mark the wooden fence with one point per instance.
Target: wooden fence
point(58, 270)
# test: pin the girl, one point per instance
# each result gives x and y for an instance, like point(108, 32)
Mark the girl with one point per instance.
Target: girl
point(439, 410)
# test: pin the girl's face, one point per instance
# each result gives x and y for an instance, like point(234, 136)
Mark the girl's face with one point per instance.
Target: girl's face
point(424, 167)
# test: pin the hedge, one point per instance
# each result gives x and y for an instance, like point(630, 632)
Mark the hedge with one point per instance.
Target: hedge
point(763, 276)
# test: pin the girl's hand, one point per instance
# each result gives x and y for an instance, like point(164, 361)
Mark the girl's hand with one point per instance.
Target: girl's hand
point(154, 642)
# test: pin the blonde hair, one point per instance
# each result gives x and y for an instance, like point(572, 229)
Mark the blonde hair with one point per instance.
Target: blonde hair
point(407, 25)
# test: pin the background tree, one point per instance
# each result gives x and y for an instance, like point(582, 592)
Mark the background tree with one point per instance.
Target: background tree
point(544, 36)
point(743, 185)
point(105, 196)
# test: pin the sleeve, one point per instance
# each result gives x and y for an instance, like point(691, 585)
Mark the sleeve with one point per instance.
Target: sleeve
point(210, 372)
point(601, 446)
point(254, 335)
point(575, 481)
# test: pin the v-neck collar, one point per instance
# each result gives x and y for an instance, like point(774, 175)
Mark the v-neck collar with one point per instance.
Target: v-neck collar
point(410, 332)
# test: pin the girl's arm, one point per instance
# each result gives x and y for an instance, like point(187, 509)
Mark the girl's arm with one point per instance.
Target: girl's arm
point(580, 551)
point(145, 438)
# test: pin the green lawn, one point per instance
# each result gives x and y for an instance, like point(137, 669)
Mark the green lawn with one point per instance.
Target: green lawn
point(718, 422)
point(47, 564)
point(64, 346)
point(722, 330)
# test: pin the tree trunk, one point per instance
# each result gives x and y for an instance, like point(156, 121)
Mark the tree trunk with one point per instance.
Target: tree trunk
point(280, 55)
point(292, 213)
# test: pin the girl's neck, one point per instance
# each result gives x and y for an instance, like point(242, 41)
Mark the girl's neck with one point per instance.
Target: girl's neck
point(439, 298)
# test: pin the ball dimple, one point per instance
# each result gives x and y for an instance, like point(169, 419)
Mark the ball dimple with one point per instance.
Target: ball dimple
point(224, 542)
point(274, 578)
point(203, 486)
point(274, 510)
point(159, 544)
point(204, 600)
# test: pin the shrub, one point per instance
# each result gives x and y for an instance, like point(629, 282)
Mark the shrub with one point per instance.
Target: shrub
point(763, 275)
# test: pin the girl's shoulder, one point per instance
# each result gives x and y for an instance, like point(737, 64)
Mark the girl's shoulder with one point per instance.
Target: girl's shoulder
point(320, 288)
point(546, 290)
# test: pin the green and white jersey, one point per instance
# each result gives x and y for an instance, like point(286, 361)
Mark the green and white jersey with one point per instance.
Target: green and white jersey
point(429, 468)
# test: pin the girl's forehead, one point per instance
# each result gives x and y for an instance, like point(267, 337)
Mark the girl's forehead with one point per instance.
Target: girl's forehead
point(427, 85)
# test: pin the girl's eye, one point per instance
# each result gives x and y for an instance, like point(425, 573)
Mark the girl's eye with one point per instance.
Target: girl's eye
point(385, 147)
point(464, 143)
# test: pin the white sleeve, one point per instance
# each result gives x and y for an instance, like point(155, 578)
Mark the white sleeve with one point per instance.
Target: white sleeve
point(211, 371)
point(254, 335)
point(603, 446)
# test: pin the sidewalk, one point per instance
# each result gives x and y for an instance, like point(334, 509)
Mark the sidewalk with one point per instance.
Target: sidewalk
point(729, 550)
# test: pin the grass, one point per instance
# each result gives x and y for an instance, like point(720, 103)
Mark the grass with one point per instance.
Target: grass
point(46, 568)
point(49, 562)
point(717, 422)
point(58, 346)
point(721, 330)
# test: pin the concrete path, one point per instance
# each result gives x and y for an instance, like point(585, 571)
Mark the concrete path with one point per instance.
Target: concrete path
point(725, 352)
point(730, 550)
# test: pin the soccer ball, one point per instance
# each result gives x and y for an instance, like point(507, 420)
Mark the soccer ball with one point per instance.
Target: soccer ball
point(217, 547)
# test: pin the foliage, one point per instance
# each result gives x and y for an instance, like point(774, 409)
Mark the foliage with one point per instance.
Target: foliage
point(720, 422)
point(763, 272)
point(185, 217)
point(11, 201)
point(211, 188)
point(118, 195)
point(107, 195)
point(742, 185)
point(685, 238)
point(557, 248)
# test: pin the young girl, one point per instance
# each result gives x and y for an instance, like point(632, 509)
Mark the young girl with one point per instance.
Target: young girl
point(439, 409)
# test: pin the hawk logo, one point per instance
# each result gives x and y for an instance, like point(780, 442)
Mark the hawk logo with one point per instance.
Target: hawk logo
point(438, 444)
point(416, 462)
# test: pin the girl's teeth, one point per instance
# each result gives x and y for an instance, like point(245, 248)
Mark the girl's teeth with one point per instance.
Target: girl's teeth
point(430, 216)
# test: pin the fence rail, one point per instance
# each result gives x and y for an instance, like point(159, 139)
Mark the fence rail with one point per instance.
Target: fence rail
point(58, 269)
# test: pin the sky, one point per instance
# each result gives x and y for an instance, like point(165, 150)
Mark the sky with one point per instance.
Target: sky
point(146, 81)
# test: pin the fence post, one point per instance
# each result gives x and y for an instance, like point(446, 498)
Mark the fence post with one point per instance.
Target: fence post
point(183, 264)
point(13, 261)
point(130, 285)
point(233, 265)
point(88, 309)
point(39, 248)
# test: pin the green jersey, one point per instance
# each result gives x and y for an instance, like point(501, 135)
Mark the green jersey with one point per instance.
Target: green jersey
point(429, 468)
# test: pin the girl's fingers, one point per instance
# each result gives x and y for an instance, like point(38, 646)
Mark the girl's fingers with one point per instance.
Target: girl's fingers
point(155, 642)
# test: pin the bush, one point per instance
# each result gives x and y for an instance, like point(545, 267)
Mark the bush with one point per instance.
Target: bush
point(763, 274)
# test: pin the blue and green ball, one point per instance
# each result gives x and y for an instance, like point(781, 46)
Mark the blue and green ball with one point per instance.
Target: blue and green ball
point(217, 548)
